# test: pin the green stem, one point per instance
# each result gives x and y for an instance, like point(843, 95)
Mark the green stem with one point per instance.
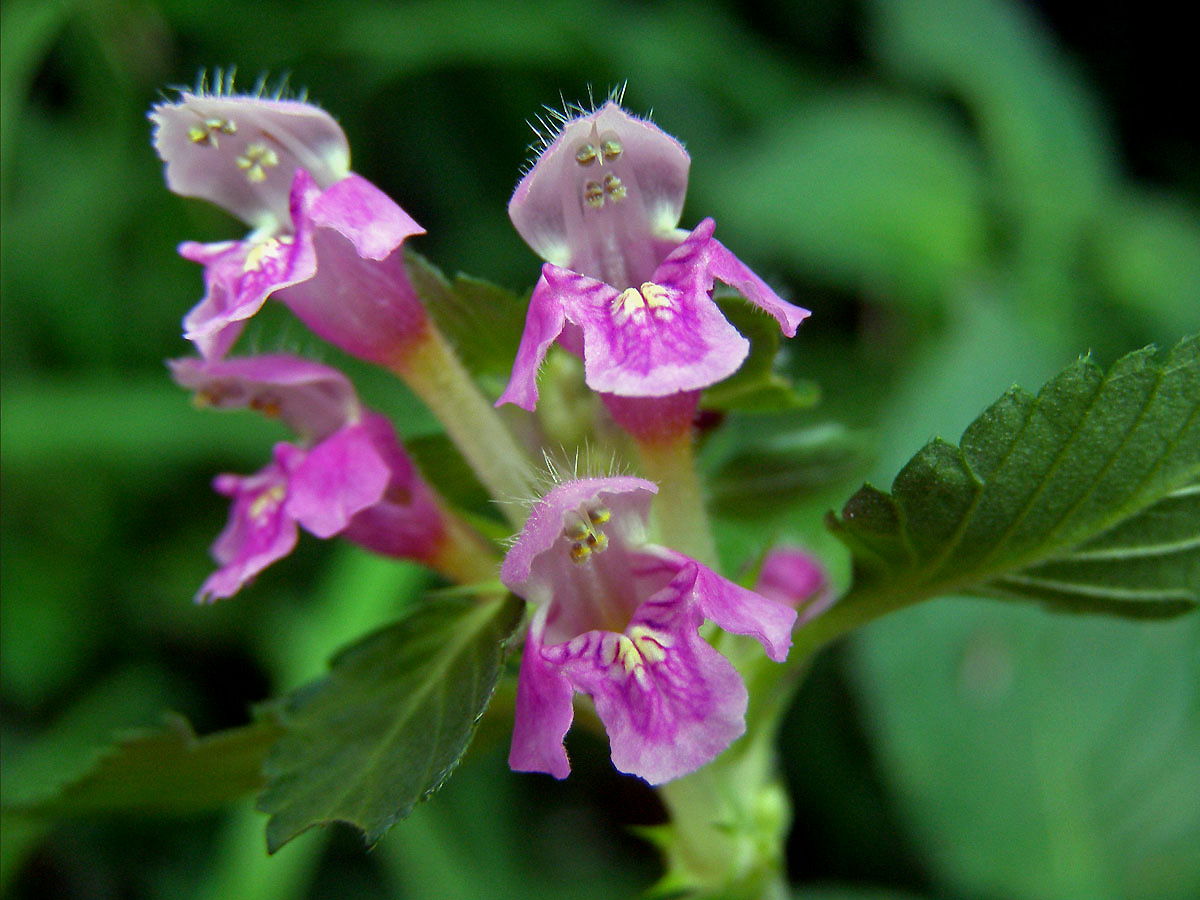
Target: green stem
point(728, 824)
point(679, 506)
point(462, 555)
point(729, 819)
point(432, 369)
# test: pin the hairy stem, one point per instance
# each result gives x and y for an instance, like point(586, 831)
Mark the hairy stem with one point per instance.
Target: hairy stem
point(679, 506)
point(430, 367)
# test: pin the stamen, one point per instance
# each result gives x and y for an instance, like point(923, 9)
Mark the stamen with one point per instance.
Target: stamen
point(578, 531)
point(614, 188)
point(585, 155)
point(207, 135)
point(267, 405)
point(611, 150)
point(584, 534)
point(593, 194)
point(256, 160)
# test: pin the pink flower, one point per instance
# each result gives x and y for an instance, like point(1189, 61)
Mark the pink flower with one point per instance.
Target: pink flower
point(241, 153)
point(617, 618)
point(662, 337)
point(326, 241)
point(795, 577)
point(623, 287)
point(350, 476)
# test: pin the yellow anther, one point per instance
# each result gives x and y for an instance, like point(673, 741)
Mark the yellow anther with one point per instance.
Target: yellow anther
point(611, 150)
point(256, 160)
point(268, 406)
point(577, 531)
point(656, 295)
point(599, 515)
point(585, 155)
point(267, 502)
point(593, 194)
point(584, 534)
point(614, 188)
point(208, 133)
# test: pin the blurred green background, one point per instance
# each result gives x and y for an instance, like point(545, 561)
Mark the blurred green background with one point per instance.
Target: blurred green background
point(966, 193)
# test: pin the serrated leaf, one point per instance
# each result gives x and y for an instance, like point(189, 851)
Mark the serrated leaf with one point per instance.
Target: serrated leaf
point(483, 321)
point(390, 722)
point(1086, 496)
point(166, 770)
point(756, 387)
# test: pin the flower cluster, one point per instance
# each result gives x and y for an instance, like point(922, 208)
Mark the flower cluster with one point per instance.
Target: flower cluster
point(616, 615)
point(325, 242)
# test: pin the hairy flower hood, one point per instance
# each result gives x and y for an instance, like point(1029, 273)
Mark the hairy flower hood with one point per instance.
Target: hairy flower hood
point(618, 619)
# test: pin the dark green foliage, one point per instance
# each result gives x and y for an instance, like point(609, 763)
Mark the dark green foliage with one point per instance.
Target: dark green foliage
point(483, 321)
point(1086, 496)
point(165, 771)
point(389, 723)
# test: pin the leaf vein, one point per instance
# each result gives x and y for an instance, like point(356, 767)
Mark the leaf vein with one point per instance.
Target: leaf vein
point(1004, 538)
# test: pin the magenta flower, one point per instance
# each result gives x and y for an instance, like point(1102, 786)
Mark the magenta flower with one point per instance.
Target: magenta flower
point(242, 153)
point(622, 286)
point(325, 242)
point(604, 197)
point(795, 577)
point(661, 338)
point(350, 476)
point(258, 533)
point(618, 618)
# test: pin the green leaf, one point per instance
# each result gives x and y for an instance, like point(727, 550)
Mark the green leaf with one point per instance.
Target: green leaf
point(165, 770)
point(1037, 121)
point(877, 193)
point(391, 721)
point(1086, 497)
point(1034, 757)
point(444, 468)
point(482, 321)
point(756, 387)
point(856, 892)
point(1146, 250)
